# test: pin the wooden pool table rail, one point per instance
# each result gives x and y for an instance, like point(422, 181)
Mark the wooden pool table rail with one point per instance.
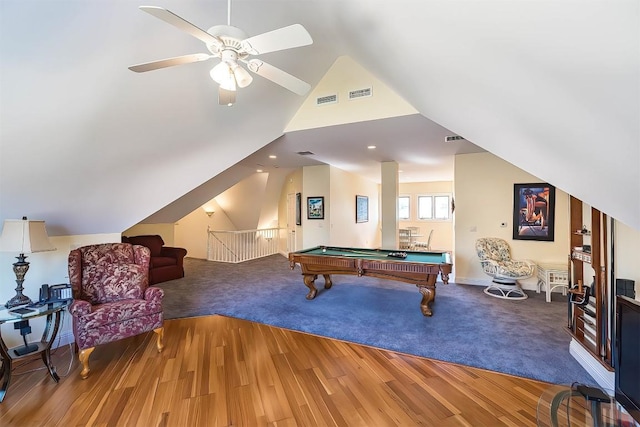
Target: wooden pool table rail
point(423, 275)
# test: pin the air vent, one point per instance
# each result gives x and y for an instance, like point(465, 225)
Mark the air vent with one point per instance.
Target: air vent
point(305, 153)
point(360, 93)
point(329, 99)
point(452, 138)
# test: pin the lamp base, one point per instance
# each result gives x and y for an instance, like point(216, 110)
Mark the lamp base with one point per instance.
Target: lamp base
point(20, 268)
point(17, 300)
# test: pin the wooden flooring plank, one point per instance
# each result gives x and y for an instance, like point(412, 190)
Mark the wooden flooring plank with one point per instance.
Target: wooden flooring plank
point(221, 371)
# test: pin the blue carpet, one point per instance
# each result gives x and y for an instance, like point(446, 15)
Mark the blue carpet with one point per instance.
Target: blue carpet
point(525, 338)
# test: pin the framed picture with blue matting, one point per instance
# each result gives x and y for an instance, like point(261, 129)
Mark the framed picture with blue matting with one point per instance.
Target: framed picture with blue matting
point(315, 207)
point(362, 209)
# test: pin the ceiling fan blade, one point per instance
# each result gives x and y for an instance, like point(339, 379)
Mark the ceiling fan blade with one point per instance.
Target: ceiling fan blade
point(278, 76)
point(180, 23)
point(226, 97)
point(169, 62)
point(284, 38)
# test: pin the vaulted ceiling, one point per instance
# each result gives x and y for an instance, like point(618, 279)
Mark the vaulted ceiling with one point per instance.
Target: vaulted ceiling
point(550, 86)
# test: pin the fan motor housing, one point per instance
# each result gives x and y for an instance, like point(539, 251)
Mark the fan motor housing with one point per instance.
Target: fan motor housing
point(232, 37)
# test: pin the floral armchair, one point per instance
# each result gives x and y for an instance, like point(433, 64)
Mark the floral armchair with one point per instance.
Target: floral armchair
point(496, 261)
point(112, 297)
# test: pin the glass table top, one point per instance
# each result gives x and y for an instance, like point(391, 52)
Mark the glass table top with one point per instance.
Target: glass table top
point(14, 314)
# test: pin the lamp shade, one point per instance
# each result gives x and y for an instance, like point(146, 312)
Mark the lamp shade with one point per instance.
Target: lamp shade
point(24, 237)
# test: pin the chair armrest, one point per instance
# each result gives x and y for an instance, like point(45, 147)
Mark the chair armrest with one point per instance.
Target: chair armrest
point(79, 308)
point(154, 294)
point(490, 266)
point(177, 253)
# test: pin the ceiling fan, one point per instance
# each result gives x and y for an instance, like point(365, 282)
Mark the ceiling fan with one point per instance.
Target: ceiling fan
point(232, 46)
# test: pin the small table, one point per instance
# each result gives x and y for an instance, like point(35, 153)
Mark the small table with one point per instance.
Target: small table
point(53, 312)
point(551, 276)
point(418, 268)
point(579, 405)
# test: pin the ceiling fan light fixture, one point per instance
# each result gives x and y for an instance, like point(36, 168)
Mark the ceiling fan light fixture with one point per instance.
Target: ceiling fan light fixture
point(223, 75)
point(243, 78)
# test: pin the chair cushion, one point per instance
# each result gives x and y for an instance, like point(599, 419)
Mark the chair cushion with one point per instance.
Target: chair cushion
point(162, 261)
point(106, 282)
point(113, 321)
point(493, 248)
point(515, 269)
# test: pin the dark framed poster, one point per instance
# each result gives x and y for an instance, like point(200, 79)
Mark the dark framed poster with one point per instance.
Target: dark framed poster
point(315, 207)
point(298, 209)
point(534, 211)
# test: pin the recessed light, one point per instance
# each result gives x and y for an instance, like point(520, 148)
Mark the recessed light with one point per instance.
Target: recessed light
point(371, 147)
point(273, 156)
point(259, 170)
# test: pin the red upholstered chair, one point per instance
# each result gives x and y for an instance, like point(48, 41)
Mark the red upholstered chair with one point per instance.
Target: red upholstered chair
point(112, 297)
point(166, 261)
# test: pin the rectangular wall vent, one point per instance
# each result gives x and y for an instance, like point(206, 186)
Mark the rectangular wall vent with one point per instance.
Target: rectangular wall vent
point(305, 153)
point(360, 93)
point(452, 138)
point(329, 99)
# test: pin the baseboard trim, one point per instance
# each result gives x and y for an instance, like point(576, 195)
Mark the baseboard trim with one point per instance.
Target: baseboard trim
point(526, 284)
point(604, 378)
point(63, 338)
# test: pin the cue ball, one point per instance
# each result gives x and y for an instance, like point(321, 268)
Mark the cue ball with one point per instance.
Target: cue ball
point(324, 250)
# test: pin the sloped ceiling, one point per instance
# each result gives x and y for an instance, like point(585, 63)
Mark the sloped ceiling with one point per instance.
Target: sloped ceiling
point(550, 86)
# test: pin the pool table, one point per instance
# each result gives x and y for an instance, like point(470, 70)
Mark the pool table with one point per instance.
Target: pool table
point(419, 268)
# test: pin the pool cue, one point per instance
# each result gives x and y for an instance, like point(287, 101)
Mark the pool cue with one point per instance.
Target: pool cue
point(353, 251)
point(355, 255)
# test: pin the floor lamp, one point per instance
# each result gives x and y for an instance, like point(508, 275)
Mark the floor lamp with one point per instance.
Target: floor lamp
point(23, 236)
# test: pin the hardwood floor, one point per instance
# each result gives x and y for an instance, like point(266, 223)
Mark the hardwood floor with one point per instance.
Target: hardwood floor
point(219, 371)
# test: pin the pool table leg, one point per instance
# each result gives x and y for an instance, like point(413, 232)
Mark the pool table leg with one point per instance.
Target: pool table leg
point(309, 280)
point(428, 295)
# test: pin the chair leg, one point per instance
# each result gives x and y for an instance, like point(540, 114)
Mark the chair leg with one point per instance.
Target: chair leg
point(159, 344)
point(84, 359)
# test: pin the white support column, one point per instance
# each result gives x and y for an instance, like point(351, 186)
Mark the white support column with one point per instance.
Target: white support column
point(389, 204)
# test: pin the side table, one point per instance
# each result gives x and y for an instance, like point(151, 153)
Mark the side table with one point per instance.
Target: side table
point(53, 313)
point(551, 276)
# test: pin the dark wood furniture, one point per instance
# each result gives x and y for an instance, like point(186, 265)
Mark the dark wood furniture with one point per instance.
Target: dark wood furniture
point(419, 268)
point(166, 261)
point(589, 322)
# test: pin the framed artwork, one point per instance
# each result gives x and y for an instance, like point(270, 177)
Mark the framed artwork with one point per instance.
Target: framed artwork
point(298, 209)
point(362, 209)
point(534, 211)
point(315, 207)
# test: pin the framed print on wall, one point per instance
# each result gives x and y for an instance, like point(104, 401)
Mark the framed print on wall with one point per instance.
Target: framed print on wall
point(362, 208)
point(315, 207)
point(534, 211)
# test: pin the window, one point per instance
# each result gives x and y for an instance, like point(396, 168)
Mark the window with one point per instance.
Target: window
point(434, 207)
point(403, 207)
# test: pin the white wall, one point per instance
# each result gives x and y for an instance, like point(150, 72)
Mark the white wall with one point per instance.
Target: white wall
point(484, 199)
point(626, 254)
point(316, 183)
point(166, 231)
point(191, 231)
point(344, 230)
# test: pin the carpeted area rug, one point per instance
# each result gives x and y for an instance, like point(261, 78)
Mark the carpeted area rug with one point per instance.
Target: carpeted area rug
point(526, 338)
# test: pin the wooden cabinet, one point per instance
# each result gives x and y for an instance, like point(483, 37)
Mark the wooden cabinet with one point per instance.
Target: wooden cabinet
point(589, 321)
